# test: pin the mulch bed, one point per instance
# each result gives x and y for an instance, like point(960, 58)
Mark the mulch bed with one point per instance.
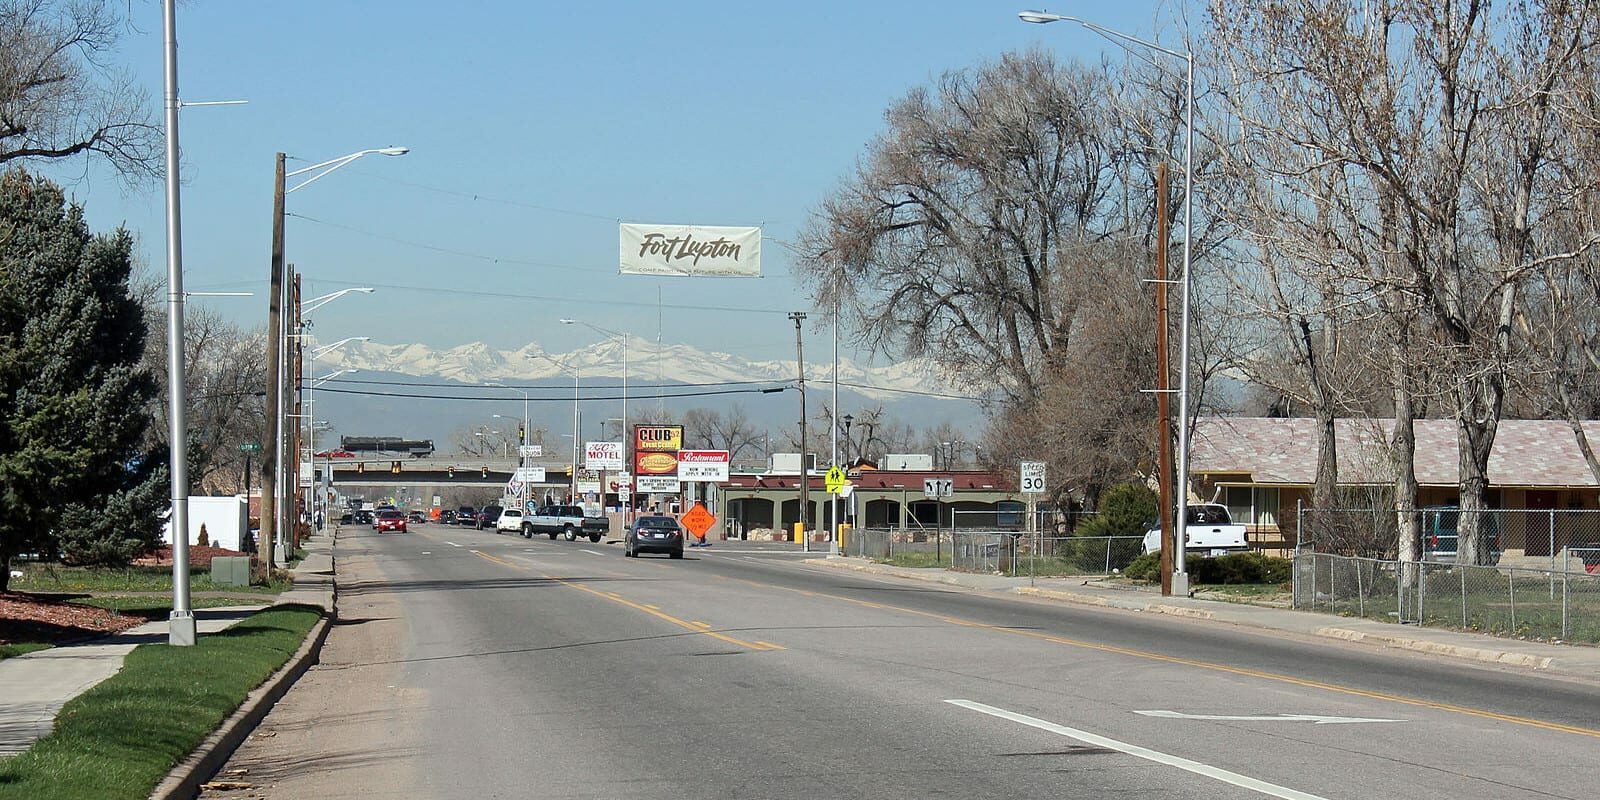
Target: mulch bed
point(199, 557)
point(26, 618)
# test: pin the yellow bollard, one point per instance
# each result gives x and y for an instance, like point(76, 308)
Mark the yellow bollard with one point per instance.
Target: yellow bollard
point(844, 535)
point(799, 532)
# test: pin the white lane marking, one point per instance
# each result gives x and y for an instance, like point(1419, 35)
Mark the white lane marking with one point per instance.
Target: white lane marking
point(1206, 770)
point(427, 553)
point(452, 544)
point(594, 552)
point(1313, 718)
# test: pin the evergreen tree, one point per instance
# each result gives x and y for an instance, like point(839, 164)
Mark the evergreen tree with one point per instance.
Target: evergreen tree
point(73, 397)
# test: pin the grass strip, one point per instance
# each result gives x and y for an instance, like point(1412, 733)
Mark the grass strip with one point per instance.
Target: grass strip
point(9, 650)
point(57, 578)
point(157, 608)
point(122, 737)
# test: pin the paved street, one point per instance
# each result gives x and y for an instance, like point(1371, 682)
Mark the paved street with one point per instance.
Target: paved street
point(469, 664)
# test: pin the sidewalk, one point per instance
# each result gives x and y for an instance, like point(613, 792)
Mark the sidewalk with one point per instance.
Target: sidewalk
point(38, 684)
point(1579, 661)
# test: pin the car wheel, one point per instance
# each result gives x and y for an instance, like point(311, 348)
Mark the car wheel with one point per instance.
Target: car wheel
point(594, 537)
point(677, 553)
point(572, 535)
point(527, 531)
point(627, 551)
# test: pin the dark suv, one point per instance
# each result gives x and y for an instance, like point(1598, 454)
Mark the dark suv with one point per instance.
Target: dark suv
point(654, 534)
point(488, 516)
point(466, 515)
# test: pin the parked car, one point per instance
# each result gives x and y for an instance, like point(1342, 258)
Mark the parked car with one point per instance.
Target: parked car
point(391, 519)
point(466, 515)
point(447, 517)
point(1210, 532)
point(1440, 539)
point(510, 521)
point(488, 516)
point(653, 534)
point(569, 520)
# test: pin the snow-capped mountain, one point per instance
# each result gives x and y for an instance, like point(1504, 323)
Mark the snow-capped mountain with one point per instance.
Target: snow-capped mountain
point(477, 363)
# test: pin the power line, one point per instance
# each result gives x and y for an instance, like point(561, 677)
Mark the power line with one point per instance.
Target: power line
point(545, 388)
point(581, 399)
point(588, 300)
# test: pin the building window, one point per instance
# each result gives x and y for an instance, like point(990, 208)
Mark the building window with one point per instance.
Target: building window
point(1251, 505)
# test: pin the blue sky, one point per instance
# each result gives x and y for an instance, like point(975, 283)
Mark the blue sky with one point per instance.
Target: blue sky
point(534, 128)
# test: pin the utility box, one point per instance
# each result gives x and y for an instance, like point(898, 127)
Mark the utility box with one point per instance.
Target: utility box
point(230, 570)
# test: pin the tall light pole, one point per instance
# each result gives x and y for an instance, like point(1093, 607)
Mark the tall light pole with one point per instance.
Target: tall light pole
point(283, 539)
point(1180, 574)
point(522, 441)
point(627, 517)
point(273, 517)
point(180, 622)
point(317, 501)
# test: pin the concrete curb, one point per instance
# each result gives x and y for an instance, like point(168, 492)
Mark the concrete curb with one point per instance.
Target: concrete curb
point(201, 765)
point(1439, 648)
point(184, 781)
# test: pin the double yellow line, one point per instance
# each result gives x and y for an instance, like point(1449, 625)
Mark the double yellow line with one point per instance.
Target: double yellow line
point(688, 625)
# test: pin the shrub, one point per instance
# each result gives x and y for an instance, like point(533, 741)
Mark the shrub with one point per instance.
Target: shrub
point(1230, 569)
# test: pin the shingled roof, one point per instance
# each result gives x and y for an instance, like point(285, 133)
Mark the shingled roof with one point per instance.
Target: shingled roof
point(1527, 452)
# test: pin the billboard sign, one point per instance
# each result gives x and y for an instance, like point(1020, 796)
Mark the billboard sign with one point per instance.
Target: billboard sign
point(658, 438)
point(690, 250)
point(603, 455)
point(588, 481)
point(703, 465)
point(658, 484)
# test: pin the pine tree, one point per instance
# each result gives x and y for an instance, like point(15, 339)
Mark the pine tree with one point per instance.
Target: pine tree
point(73, 397)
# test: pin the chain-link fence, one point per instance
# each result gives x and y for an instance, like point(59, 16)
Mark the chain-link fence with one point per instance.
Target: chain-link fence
point(1519, 537)
point(1537, 603)
point(996, 551)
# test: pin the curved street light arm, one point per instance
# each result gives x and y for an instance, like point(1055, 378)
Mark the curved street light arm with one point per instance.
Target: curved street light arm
point(334, 163)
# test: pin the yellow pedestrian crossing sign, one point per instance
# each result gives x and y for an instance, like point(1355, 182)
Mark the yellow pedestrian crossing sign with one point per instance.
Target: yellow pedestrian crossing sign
point(835, 479)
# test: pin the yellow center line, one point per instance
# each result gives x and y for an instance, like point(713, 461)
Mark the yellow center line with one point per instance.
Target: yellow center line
point(1208, 665)
point(700, 628)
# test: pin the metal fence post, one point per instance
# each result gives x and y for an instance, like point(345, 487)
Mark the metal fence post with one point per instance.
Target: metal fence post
point(1565, 558)
point(1361, 595)
point(1463, 572)
point(1511, 582)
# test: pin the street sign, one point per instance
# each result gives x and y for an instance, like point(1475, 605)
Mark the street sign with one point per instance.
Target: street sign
point(588, 481)
point(698, 520)
point(250, 447)
point(530, 450)
point(436, 501)
point(530, 474)
point(514, 486)
point(935, 488)
point(834, 480)
point(1033, 481)
point(603, 455)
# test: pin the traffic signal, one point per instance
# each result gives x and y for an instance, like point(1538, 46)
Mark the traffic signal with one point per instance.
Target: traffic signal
point(484, 472)
point(450, 472)
point(394, 466)
point(361, 466)
point(522, 434)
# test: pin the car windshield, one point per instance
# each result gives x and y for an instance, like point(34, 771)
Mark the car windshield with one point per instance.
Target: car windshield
point(657, 522)
point(389, 514)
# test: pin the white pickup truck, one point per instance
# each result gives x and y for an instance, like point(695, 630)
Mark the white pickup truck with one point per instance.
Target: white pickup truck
point(1210, 532)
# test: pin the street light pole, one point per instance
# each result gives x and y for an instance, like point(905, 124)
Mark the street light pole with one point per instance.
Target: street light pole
point(805, 474)
point(1180, 574)
point(626, 434)
point(180, 622)
point(277, 335)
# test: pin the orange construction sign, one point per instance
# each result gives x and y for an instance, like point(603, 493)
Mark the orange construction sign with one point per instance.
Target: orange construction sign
point(698, 520)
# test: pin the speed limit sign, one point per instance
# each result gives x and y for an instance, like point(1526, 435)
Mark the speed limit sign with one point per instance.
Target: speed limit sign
point(1033, 477)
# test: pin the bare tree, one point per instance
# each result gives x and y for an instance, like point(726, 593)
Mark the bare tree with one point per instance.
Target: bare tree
point(1438, 125)
point(59, 97)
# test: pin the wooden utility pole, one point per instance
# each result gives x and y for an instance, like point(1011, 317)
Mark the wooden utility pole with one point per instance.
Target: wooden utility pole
point(269, 463)
point(805, 474)
point(1164, 427)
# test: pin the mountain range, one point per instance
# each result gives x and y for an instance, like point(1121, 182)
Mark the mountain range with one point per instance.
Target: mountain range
point(417, 391)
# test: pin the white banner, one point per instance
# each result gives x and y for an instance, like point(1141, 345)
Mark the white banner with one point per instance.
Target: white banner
point(657, 484)
point(530, 474)
point(603, 455)
point(703, 465)
point(690, 250)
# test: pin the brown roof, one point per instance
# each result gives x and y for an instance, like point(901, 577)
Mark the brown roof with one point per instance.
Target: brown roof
point(886, 479)
point(1526, 452)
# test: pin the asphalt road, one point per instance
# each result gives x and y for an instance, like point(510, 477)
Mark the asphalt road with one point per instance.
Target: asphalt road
point(470, 664)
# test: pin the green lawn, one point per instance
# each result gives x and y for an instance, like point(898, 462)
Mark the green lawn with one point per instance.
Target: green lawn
point(58, 578)
point(120, 738)
point(9, 650)
point(160, 607)
point(918, 558)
